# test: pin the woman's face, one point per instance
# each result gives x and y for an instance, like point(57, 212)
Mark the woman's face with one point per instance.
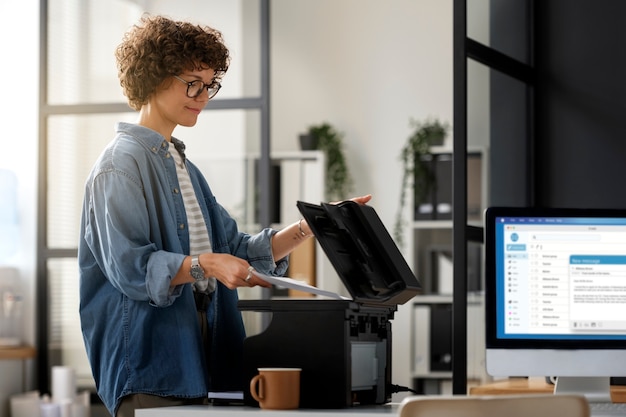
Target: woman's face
point(171, 104)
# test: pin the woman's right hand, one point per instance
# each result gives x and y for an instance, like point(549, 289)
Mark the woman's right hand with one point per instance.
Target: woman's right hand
point(230, 270)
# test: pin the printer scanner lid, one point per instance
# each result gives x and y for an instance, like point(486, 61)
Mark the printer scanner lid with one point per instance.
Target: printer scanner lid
point(362, 252)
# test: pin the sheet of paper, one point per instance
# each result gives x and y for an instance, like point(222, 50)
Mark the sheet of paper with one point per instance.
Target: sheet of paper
point(297, 285)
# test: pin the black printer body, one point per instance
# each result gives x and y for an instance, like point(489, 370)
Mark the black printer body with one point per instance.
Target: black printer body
point(342, 346)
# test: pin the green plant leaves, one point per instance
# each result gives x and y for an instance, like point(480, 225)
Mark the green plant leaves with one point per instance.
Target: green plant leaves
point(426, 134)
point(339, 182)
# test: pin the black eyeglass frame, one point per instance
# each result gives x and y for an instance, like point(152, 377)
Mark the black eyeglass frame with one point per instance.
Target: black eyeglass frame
point(212, 89)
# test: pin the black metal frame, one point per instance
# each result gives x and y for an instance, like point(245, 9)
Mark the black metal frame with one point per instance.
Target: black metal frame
point(464, 49)
point(459, 201)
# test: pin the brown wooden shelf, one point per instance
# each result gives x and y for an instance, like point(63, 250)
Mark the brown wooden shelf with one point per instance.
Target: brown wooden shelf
point(17, 352)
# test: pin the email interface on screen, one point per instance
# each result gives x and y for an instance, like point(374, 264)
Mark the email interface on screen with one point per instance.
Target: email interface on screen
point(561, 278)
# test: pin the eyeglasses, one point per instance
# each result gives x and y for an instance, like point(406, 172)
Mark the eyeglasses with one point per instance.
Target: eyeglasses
point(195, 88)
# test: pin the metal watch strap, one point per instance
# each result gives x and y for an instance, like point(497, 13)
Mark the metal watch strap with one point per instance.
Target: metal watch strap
point(196, 270)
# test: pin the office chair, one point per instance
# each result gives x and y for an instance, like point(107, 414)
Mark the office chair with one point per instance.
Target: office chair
point(495, 406)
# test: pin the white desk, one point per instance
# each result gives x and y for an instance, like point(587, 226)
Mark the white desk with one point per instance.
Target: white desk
point(231, 411)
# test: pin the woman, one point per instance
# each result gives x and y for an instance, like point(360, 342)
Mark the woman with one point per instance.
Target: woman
point(160, 260)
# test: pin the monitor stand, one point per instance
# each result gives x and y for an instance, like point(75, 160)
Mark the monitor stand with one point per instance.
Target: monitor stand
point(595, 389)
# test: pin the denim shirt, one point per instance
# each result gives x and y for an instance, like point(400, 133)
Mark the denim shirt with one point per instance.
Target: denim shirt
point(141, 335)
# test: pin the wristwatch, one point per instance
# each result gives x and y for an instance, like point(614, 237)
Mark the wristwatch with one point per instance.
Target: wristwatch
point(196, 270)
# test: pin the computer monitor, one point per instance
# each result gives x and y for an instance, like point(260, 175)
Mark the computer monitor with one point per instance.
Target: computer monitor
point(555, 296)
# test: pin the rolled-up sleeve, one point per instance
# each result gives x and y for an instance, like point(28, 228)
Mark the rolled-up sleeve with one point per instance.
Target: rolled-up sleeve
point(163, 266)
point(260, 254)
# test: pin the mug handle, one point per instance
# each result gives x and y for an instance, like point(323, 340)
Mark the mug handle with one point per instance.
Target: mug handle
point(257, 380)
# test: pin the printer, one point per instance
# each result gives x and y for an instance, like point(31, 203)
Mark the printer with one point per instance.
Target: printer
point(342, 345)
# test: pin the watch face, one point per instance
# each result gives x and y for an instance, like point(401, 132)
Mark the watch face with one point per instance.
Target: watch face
point(197, 272)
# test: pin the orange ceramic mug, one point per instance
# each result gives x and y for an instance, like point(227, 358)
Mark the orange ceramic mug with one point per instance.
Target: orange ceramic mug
point(276, 388)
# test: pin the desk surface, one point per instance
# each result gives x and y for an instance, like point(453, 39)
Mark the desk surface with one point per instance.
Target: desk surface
point(533, 386)
point(230, 411)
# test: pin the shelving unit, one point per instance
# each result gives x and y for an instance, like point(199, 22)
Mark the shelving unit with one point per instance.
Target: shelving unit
point(431, 345)
point(433, 236)
point(22, 353)
point(430, 246)
point(295, 175)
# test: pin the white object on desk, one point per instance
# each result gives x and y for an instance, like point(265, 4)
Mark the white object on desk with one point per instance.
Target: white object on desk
point(229, 411)
point(63, 384)
point(49, 410)
point(25, 405)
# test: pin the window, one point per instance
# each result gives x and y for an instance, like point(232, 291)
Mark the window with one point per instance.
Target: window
point(82, 101)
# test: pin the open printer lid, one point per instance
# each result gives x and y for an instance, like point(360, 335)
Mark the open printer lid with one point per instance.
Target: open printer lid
point(362, 252)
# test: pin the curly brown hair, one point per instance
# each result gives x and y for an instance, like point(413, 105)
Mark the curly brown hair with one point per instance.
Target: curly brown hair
point(157, 48)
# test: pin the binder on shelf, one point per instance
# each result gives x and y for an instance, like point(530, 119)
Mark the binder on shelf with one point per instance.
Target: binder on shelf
point(437, 204)
point(425, 206)
point(443, 187)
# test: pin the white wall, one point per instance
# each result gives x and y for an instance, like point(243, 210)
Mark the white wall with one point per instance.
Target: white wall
point(366, 67)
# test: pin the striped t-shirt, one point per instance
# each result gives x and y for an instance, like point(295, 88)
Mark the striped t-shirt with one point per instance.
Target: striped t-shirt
point(198, 234)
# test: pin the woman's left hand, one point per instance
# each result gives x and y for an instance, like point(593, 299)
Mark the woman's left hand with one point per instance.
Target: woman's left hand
point(364, 199)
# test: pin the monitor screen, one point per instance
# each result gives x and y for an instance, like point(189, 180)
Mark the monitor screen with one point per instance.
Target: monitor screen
point(556, 296)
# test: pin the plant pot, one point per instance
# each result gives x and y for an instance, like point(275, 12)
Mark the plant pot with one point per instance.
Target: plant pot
point(308, 142)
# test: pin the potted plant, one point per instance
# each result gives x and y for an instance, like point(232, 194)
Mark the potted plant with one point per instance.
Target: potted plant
point(338, 179)
point(414, 158)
